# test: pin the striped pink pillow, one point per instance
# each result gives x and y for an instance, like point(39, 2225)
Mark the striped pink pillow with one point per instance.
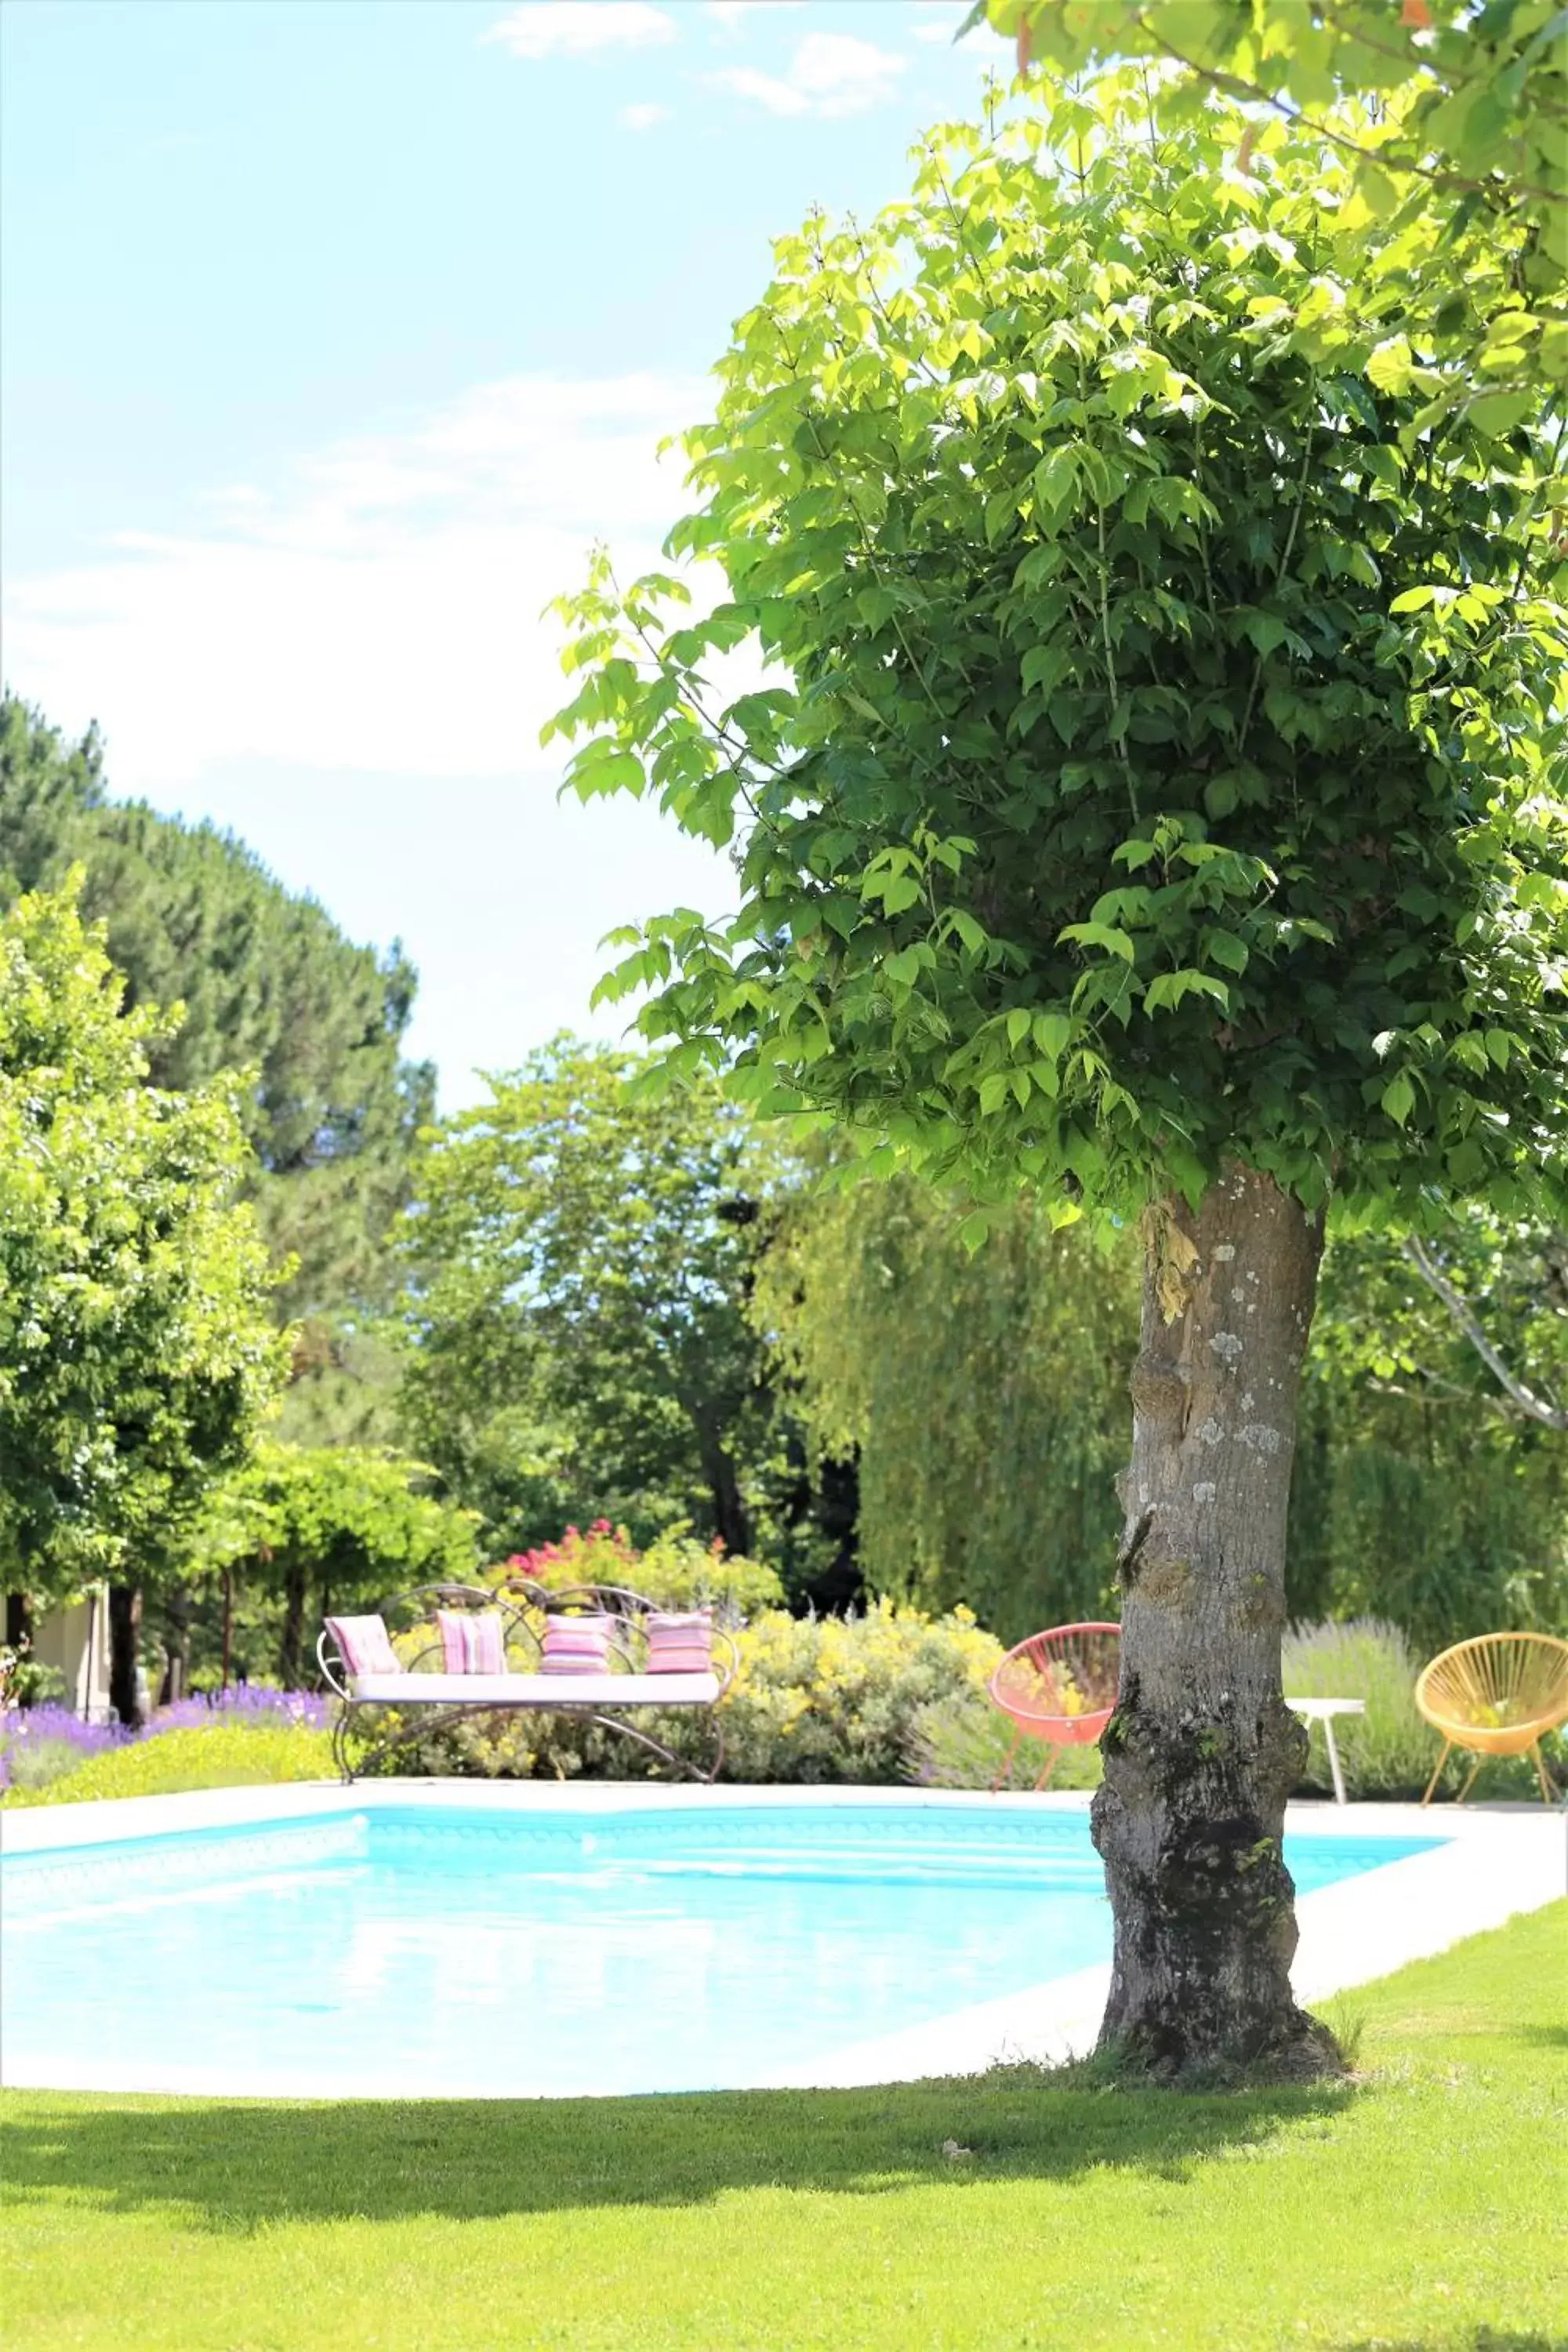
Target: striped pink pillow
point(472, 1642)
point(679, 1643)
point(364, 1645)
point(577, 1646)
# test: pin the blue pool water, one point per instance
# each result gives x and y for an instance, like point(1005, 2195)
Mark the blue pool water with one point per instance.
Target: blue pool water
point(440, 1950)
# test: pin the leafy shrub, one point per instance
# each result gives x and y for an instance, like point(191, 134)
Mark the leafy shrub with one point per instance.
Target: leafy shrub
point(217, 1756)
point(674, 1570)
point(1387, 1752)
point(815, 1699)
point(967, 1743)
point(38, 1743)
point(42, 1745)
point(26, 1681)
point(836, 1698)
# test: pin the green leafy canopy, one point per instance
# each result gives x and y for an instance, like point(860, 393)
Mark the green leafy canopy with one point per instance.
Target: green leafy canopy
point(1437, 105)
point(1157, 755)
point(138, 1355)
point(578, 1258)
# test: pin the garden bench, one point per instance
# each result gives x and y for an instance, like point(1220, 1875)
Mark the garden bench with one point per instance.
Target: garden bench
point(458, 1651)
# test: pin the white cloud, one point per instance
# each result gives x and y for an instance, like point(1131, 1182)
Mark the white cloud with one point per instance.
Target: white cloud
point(733, 14)
point(378, 610)
point(573, 28)
point(643, 117)
point(831, 75)
point(942, 29)
point(350, 668)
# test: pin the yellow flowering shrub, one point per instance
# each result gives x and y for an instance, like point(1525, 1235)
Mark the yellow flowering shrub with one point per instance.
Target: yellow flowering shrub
point(836, 1698)
point(815, 1699)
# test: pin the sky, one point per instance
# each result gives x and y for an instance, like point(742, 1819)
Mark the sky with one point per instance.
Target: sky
point(332, 334)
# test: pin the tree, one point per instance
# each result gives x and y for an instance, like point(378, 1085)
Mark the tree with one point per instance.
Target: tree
point(266, 983)
point(137, 1348)
point(891, 1329)
point(1155, 804)
point(1477, 1315)
point(355, 1521)
point(1413, 1498)
point(580, 1258)
point(1429, 101)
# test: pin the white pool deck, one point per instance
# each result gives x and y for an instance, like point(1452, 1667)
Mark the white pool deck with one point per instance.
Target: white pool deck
point(1495, 1860)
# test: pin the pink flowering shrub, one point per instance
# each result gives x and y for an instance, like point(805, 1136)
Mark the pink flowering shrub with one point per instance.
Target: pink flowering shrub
point(676, 1569)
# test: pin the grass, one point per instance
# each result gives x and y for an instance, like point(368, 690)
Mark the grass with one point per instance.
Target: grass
point(1418, 2208)
point(205, 1756)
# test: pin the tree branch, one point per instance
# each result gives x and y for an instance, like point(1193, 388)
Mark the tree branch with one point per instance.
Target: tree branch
point(1539, 1408)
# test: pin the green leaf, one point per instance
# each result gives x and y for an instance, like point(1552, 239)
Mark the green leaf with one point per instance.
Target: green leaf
point(1099, 935)
point(1497, 413)
point(1224, 948)
point(1398, 1097)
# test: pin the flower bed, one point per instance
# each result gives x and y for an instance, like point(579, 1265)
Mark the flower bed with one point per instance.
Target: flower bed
point(41, 1746)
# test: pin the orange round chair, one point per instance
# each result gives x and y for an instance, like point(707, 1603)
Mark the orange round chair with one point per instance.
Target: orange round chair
point(1059, 1687)
point(1496, 1695)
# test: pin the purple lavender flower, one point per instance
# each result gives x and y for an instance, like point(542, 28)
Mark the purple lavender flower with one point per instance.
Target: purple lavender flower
point(39, 1743)
point(245, 1703)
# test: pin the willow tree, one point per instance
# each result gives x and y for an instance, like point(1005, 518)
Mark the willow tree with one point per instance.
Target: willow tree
point(887, 1328)
point(1153, 805)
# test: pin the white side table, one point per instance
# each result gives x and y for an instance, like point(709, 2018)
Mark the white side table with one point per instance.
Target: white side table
point(1323, 1711)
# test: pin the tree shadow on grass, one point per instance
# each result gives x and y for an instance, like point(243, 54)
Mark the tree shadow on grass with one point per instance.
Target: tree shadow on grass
point(1483, 2339)
point(1544, 2037)
point(234, 2166)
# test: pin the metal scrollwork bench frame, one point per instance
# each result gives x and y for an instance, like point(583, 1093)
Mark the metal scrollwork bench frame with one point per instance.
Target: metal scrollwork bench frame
point(523, 1607)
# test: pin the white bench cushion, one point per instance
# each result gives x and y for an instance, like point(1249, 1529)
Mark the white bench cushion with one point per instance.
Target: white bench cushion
point(537, 1690)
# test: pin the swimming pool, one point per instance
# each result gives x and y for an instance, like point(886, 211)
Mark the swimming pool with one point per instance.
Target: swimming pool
point(449, 1949)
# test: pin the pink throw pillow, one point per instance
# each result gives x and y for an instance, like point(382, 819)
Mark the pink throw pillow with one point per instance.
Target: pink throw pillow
point(577, 1646)
point(472, 1642)
point(679, 1643)
point(364, 1645)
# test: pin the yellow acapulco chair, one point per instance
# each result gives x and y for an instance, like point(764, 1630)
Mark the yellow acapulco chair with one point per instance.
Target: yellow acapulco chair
point(1496, 1695)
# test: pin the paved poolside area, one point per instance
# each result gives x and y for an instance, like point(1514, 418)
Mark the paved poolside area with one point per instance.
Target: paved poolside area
point(1494, 1860)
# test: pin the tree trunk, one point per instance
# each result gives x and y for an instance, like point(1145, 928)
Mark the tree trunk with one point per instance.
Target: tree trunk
point(125, 1653)
point(19, 1622)
point(177, 1658)
point(731, 1519)
point(1202, 1750)
point(293, 1627)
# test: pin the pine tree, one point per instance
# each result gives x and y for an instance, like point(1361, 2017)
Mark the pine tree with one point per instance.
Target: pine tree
point(268, 984)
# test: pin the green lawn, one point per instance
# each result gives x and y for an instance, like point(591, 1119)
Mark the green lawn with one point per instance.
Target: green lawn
point(1421, 2206)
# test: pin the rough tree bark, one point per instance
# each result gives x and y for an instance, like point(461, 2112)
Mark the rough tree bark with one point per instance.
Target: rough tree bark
point(1202, 1750)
